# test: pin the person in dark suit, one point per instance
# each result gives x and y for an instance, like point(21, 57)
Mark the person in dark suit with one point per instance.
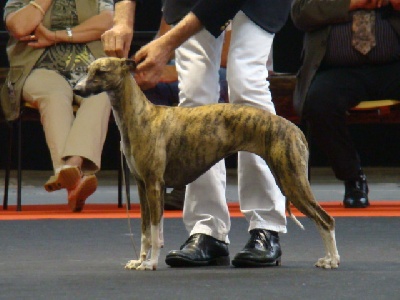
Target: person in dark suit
point(338, 72)
point(197, 36)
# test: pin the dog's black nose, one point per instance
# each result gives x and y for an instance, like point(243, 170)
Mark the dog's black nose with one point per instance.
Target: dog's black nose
point(78, 90)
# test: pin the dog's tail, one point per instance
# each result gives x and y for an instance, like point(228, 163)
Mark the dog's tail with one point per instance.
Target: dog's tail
point(292, 216)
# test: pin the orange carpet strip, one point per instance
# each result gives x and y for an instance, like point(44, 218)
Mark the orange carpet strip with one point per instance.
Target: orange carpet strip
point(111, 211)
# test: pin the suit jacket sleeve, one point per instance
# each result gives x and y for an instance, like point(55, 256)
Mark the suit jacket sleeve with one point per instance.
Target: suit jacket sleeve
point(216, 14)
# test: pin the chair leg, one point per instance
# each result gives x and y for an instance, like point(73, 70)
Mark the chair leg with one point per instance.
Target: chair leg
point(19, 164)
point(8, 165)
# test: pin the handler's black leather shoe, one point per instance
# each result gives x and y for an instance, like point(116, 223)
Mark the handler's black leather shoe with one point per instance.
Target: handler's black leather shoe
point(261, 250)
point(356, 192)
point(199, 250)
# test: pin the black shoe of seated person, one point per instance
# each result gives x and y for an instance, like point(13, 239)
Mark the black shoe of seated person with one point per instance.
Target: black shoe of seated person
point(356, 192)
point(199, 250)
point(262, 250)
point(175, 199)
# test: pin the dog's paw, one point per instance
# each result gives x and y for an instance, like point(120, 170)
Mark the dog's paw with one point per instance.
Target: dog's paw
point(133, 264)
point(141, 265)
point(147, 265)
point(328, 262)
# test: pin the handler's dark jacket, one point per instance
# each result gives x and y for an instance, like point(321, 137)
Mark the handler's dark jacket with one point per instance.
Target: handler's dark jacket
point(316, 18)
point(215, 15)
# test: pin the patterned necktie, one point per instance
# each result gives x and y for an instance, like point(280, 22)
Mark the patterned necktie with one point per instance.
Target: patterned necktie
point(364, 30)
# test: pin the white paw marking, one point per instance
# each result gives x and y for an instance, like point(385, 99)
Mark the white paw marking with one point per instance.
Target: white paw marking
point(328, 263)
point(141, 265)
point(133, 264)
point(332, 258)
point(147, 265)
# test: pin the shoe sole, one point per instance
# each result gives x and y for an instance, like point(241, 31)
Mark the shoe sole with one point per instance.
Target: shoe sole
point(184, 262)
point(67, 178)
point(238, 263)
point(356, 206)
point(84, 190)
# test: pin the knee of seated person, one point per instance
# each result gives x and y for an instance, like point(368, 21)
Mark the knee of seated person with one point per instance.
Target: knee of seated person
point(318, 106)
point(100, 100)
point(54, 97)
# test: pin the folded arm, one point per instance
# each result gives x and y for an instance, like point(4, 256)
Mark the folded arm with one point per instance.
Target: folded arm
point(309, 15)
point(25, 20)
point(26, 25)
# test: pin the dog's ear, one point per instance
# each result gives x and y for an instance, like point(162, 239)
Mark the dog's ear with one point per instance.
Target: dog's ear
point(131, 64)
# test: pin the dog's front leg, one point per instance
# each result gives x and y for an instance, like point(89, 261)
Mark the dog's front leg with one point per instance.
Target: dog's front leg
point(145, 241)
point(155, 196)
point(145, 245)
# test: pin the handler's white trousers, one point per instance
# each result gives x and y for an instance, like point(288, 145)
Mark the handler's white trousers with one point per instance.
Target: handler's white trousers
point(198, 61)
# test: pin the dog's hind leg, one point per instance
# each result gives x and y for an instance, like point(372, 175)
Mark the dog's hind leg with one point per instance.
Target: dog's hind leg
point(303, 199)
point(145, 241)
point(301, 196)
point(305, 202)
point(291, 175)
point(332, 258)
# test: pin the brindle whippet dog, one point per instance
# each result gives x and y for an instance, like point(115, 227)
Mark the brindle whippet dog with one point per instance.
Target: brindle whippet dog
point(173, 146)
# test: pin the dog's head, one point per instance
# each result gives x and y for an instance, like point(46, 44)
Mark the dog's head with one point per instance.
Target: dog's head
point(104, 75)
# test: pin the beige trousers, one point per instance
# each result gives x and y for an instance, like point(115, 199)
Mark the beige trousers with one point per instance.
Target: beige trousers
point(67, 134)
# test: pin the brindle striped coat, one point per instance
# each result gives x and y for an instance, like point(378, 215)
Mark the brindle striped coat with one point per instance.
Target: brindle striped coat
point(172, 146)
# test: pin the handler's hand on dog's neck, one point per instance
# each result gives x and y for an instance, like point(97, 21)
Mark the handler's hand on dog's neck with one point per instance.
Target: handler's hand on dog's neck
point(154, 55)
point(151, 60)
point(143, 82)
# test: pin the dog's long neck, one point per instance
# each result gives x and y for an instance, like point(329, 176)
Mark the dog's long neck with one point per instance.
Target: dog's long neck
point(132, 111)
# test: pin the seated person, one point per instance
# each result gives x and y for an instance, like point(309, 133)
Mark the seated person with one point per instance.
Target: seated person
point(48, 54)
point(342, 67)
